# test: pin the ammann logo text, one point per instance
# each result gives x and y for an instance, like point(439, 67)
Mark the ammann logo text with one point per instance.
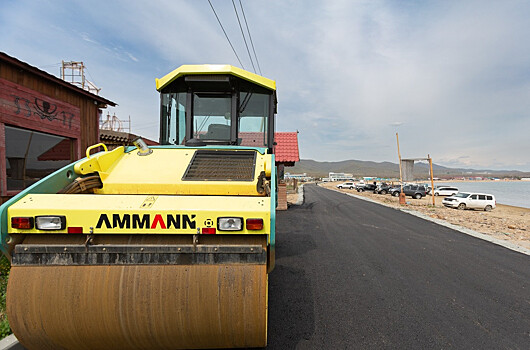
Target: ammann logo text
point(135, 221)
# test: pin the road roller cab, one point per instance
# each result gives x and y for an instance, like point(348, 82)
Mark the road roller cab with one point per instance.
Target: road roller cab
point(161, 247)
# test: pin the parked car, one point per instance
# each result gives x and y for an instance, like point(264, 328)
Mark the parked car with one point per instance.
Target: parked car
point(415, 191)
point(382, 188)
point(466, 200)
point(445, 191)
point(365, 187)
point(349, 185)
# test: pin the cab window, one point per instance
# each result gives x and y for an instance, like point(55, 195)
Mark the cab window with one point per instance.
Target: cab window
point(211, 116)
point(174, 117)
point(253, 119)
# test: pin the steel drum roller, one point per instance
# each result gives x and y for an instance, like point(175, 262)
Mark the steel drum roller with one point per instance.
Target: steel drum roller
point(138, 307)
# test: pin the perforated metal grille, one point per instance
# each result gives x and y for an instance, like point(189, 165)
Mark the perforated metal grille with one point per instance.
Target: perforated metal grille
point(221, 166)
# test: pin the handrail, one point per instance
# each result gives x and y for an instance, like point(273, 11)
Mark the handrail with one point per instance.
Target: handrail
point(95, 146)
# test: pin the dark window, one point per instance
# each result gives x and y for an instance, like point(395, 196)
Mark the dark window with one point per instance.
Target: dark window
point(482, 197)
point(490, 198)
point(474, 196)
point(32, 155)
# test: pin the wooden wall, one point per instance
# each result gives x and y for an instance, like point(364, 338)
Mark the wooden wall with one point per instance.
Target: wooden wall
point(89, 123)
point(34, 100)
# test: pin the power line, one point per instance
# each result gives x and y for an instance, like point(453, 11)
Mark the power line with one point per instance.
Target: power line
point(250, 36)
point(244, 39)
point(226, 35)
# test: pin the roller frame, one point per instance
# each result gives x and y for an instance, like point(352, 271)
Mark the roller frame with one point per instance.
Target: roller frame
point(185, 254)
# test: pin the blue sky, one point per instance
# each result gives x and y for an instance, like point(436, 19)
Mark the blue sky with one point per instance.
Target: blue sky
point(452, 77)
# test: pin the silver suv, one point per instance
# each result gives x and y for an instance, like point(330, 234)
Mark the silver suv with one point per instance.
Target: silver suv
point(445, 191)
point(349, 185)
point(466, 200)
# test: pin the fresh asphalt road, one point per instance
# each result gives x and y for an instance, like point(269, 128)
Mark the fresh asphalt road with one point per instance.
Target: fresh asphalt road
point(351, 274)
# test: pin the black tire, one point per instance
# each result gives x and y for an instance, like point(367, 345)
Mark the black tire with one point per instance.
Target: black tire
point(395, 194)
point(383, 192)
point(360, 190)
point(488, 208)
point(351, 187)
point(340, 187)
point(461, 206)
point(436, 194)
point(417, 196)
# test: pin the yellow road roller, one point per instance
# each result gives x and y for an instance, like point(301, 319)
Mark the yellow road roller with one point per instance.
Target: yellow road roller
point(155, 247)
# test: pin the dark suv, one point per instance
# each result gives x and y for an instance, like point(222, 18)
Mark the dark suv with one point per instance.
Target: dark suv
point(415, 191)
point(383, 188)
point(365, 187)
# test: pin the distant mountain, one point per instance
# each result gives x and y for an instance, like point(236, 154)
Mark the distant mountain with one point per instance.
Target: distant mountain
point(360, 168)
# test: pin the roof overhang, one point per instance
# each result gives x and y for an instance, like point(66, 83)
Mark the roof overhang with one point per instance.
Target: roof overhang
point(214, 69)
point(102, 102)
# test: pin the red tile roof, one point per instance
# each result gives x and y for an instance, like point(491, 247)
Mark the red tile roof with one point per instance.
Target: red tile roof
point(286, 149)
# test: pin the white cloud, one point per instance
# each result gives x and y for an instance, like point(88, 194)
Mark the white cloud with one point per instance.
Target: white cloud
point(452, 77)
point(87, 38)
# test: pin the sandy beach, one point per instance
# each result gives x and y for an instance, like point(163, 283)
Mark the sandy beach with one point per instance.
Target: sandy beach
point(504, 222)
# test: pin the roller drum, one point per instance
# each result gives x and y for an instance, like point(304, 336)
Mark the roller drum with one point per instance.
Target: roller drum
point(138, 306)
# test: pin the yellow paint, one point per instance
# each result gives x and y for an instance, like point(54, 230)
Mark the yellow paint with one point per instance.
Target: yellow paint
point(84, 210)
point(161, 173)
point(95, 146)
point(148, 202)
point(214, 69)
point(100, 162)
point(268, 168)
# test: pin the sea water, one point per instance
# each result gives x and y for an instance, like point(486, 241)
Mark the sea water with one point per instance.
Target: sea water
point(516, 193)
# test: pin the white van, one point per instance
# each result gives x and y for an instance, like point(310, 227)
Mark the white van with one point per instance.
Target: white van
point(466, 200)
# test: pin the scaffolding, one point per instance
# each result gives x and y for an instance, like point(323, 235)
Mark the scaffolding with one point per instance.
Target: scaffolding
point(113, 123)
point(74, 73)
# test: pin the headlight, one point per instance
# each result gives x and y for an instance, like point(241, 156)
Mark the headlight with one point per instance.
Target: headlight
point(230, 224)
point(50, 222)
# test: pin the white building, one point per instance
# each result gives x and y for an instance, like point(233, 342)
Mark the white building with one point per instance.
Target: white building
point(302, 177)
point(340, 176)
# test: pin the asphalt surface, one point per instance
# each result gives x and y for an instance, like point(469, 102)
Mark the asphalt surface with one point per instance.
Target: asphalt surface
point(351, 274)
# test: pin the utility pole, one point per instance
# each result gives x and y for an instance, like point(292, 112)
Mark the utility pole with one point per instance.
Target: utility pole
point(432, 180)
point(401, 194)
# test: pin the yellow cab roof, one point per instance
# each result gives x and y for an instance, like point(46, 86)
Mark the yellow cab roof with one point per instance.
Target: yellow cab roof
point(189, 69)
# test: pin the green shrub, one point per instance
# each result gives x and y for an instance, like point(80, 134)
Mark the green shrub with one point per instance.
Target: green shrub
point(5, 267)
